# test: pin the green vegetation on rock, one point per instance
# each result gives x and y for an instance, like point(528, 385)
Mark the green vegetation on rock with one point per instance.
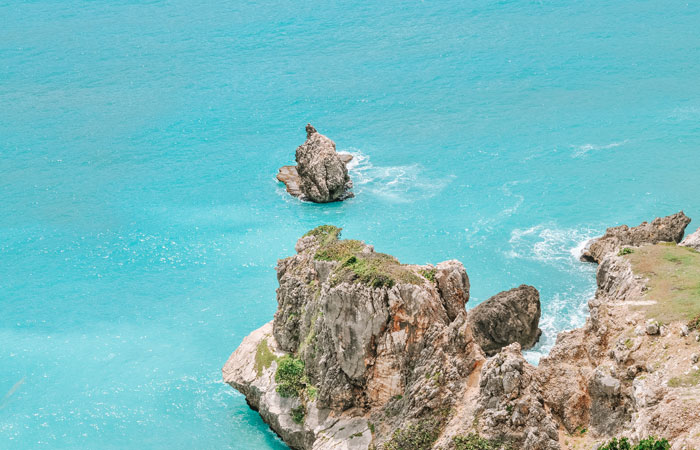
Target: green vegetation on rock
point(429, 274)
point(290, 376)
point(326, 233)
point(298, 414)
point(650, 443)
point(473, 441)
point(674, 281)
point(263, 357)
point(417, 436)
point(625, 251)
point(373, 269)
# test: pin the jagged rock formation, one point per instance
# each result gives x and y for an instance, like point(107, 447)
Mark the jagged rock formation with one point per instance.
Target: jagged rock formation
point(661, 229)
point(507, 317)
point(511, 405)
point(365, 352)
point(320, 175)
point(692, 240)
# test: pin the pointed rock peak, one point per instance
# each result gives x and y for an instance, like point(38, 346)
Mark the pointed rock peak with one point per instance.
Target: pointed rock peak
point(310, 130)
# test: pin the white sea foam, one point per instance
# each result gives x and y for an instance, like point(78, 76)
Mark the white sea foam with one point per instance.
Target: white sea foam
point(577, 251)
point(564, 311)
point(397, 184)
point(548, 243)
point(582, 150)
point(560, 248)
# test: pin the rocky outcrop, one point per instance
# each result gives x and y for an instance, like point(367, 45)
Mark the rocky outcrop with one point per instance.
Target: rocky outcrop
point(507, 317)
point(379, 342)
point(661, 229)
point(692, 240)
point(321, 175)
point(365, 352)
point(511, 404)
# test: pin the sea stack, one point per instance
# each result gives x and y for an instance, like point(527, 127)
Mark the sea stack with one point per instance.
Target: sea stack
point(320, 175)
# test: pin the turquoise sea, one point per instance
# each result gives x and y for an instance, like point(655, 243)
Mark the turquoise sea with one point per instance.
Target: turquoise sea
point(140, 218)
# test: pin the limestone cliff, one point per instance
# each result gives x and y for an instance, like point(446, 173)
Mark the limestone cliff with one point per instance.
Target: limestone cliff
point(365, 352)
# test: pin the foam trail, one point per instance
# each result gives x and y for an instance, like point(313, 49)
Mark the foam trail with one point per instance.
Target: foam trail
point(584, 149)
point(398, 184)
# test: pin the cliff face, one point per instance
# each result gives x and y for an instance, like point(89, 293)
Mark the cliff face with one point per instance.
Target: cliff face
point(365, 352)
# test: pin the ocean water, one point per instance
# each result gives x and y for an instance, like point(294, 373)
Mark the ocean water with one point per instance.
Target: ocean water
point(140, 220)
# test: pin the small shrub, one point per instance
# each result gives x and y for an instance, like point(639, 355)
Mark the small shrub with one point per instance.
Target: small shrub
point(289, 376)
point(429, 274)
point(298, 414)
point(650, 443)
point(625, 251)
point(694, 323)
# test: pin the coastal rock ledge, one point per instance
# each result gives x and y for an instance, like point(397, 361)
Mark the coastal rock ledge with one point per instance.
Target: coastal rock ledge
point(321, 175)
point(367, 353)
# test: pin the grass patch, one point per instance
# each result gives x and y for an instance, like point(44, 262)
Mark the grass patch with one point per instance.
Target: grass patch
point(625, 251)
point(339, 250)
point(688, 380)
point(373, 269)
point(674, 281)
point(326, 233)
point(290, 376)
point(263, 357)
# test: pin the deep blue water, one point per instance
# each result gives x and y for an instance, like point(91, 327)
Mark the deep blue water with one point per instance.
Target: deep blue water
point(140, 221)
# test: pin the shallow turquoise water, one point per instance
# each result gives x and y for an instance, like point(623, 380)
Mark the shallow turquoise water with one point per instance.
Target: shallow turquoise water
point(141, 221)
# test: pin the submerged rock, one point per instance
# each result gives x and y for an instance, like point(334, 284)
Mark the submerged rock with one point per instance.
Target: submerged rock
point(661, 229)
point(507, 317)
point(321, 175)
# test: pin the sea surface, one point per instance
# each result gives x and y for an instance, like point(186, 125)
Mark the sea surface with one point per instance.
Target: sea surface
point(140, 218)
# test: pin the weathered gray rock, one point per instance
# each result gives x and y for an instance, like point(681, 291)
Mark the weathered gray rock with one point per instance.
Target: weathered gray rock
point(511, 406)
point(609, 409)
point(507, 317)
point(453, 284)
point(320, 175)
point(692, 240)
point(661, 229)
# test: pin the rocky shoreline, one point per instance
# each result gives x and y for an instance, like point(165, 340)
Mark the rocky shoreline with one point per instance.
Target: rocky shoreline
point(367, 353)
